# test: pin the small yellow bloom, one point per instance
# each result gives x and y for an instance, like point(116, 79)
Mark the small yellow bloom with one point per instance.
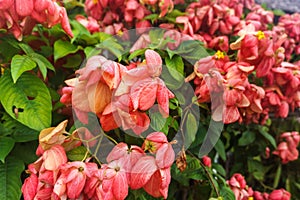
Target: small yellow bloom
point(95, 1)
point(120, 33)
point(260, 35)
point(250, 198)
point(219, 55)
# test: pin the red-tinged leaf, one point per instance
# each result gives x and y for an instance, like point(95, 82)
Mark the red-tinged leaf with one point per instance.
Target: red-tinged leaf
point(143, 94)
point(165, 156)
point(244, 102)
point(29, 187)
point(24, 7)
point(154, 63)
point(117, 152)
point(120, 186)
point(142, 172)
point(54, 157)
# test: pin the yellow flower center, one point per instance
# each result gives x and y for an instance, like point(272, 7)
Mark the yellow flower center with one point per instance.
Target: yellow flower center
point(95, 1)
point(260, 35)
point(219, 55)
point(150, 146)
point(250, 198)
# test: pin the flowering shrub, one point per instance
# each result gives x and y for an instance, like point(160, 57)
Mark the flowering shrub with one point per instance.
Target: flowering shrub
point(161, 100)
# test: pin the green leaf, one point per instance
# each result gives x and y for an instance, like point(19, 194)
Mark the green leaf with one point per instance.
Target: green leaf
point(277, 176)
point(43, 63)
point(18, 131)
point(30, 96)
point(63, 48)
point(220, 148)
point(10, 182)
point(227, 193)
point(247, 138)
point(190, 129)
point(113, 46)
point(21, 64)
point(175, 67)
point(25, 151)
point(26, 48)
point(264, 132)
point(136, 53)
point(6, 144)
point(157, 121)
point(77, 154)
point(73, 61)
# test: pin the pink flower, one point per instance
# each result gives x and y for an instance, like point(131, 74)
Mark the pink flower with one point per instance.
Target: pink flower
point(286, 153)
point(237, 184)
point(29, 187)
point(73, 177)
point(280, 194)
point(90, 23)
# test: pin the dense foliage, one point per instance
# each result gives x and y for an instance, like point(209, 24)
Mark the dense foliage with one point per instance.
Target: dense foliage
point(115, 99)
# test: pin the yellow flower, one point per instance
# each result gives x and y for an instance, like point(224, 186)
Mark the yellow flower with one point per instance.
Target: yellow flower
point(260, 35)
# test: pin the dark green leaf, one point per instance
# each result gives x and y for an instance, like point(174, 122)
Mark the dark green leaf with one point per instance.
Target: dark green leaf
point(6, 144)
point(25, 151)
point(220, 148)
point(63, 48)
point(10, 182)
point(73, 61)
point(264, 132)
point(190, 129)
point(28, 100)
point(21, 64)
point(247, 138)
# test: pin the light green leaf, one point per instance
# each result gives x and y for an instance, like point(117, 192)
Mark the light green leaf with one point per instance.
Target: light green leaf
point(10, 182)
point(21, 64)
point(6, 144)
point(63, 48)
point(113, 46)
point(26, 48)
point(247, 138)
point(157, 120)
point(227, 194)
point(30, 96)
point(136, 53)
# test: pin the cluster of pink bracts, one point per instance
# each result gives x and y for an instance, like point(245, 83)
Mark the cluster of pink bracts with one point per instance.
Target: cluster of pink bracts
point(53, 177)
point(242, 191)
point(287, 148)
point(119, 95)
point(20, 16)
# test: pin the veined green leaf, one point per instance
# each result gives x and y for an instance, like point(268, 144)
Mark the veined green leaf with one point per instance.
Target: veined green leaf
point(28, 100)
point(21, 64)
point(42, 62)
point(10, 182)
point(6, 144)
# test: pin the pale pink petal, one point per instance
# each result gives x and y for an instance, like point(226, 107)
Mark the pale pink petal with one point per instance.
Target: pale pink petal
point(154, 63)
